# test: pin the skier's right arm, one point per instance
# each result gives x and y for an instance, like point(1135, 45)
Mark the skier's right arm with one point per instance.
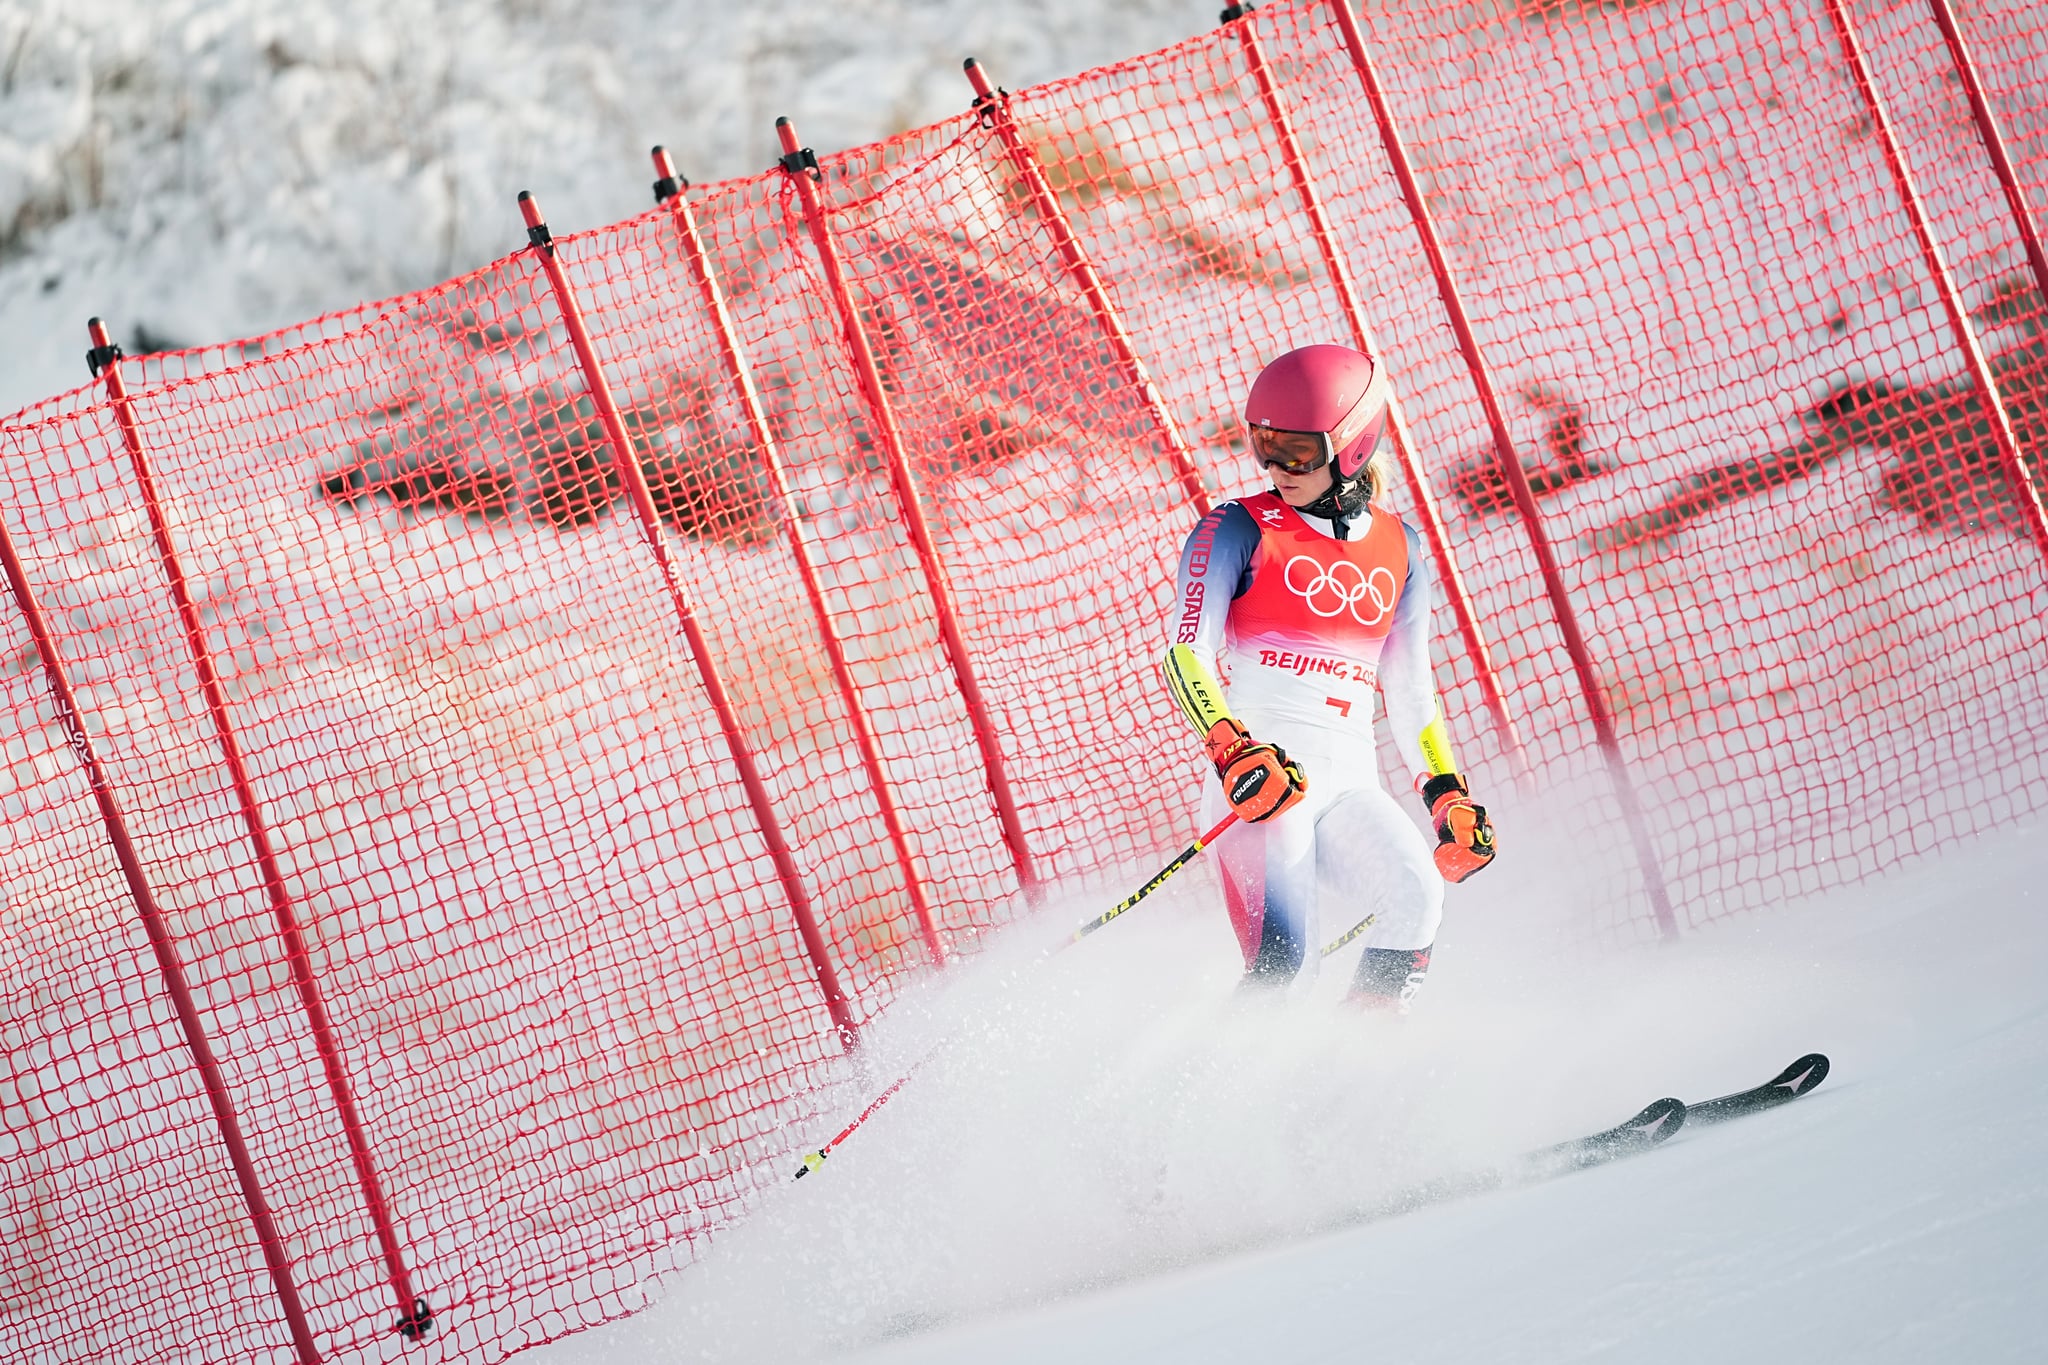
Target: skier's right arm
point(1215, 568)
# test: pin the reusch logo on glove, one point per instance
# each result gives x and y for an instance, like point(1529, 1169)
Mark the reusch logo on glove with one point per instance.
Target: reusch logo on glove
point(1248, 785)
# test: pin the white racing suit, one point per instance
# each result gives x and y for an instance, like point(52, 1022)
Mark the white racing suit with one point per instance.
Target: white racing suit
point(1299, 618)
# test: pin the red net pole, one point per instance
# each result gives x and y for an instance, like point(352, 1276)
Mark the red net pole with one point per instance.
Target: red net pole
point(2028, 496)
point(994, 108)
point(1511, 470)
point(173, 973)
point(414, 1316)
point(801, 168)
point(669, 188)
point(1994, 143)
point(1451, 576)
point(2002, 433)
point(634, 480)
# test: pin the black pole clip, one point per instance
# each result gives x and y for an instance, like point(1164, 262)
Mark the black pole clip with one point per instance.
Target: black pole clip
point(801, 160)
point(100, 357)
point(984, 106)
point(539, 235)
point(669, 186)
point(1235, 12)
point(416, 1324)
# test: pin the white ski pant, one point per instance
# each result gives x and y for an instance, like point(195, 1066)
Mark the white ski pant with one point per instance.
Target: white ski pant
point(1345, 851)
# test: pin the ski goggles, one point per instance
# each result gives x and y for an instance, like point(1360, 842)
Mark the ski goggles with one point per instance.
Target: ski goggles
point(1291, 452)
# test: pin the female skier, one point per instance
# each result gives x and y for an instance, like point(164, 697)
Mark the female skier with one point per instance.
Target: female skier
point(1299, 600)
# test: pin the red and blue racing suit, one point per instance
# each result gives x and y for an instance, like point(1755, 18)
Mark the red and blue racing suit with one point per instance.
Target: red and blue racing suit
point(1300, 619)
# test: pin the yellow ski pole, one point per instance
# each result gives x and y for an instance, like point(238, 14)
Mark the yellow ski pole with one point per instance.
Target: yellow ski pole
point(1353, 932)
point(1186, 856)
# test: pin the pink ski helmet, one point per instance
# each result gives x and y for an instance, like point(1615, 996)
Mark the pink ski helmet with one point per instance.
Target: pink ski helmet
point(1333, 396)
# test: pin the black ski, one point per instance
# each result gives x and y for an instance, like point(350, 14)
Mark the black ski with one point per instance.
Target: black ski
point(1638, 1134)
point(1788, 1085)
point(1645, 1130)
point(1657, 1122)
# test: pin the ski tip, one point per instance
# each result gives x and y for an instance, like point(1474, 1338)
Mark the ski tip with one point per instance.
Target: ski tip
point(1803, 1075)
point(1658, 1120)
point(1655, 1123)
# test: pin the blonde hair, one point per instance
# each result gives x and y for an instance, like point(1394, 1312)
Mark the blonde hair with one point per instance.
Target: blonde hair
point(1379, 475)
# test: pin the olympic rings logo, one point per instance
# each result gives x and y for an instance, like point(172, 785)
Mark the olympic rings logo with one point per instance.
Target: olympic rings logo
point(1341, 587)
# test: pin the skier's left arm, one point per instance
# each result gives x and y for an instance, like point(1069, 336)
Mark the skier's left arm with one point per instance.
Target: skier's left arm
point(1464, 837)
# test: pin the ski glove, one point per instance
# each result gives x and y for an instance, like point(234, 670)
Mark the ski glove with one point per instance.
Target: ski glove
point(1260, 779)
point(1464, 839)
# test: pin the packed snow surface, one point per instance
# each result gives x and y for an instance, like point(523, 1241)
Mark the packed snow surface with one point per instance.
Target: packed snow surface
point(1119, 1161)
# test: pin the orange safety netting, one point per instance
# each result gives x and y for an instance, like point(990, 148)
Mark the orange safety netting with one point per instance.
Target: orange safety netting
point(576, 1000)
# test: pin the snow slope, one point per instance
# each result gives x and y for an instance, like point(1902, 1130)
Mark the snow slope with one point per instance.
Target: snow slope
point(1119, 1171)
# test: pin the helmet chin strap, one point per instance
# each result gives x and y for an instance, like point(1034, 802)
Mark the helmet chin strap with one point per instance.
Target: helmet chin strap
point(1341, 502)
